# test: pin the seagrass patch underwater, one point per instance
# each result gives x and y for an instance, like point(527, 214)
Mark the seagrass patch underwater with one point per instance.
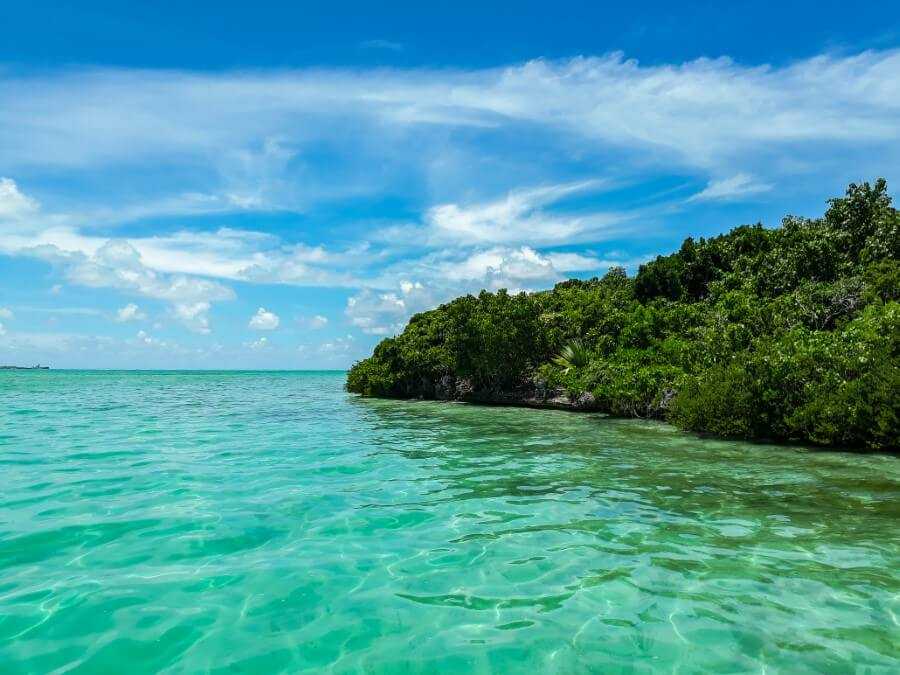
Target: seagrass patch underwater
point(271, 522)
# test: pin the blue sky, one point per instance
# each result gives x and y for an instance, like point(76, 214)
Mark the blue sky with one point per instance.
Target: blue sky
point(247, 185)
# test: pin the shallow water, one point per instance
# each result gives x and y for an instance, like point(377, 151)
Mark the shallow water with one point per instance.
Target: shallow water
point(270, 522)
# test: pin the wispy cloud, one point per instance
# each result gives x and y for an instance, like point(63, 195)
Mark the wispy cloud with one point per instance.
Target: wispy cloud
point(65, 311)
point(232, 141)
point(130, 312)
point(735, 187)
point(517, 217)
point(316, 322)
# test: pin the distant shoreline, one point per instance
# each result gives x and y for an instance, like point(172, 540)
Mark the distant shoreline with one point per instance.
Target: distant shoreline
point(179, 370)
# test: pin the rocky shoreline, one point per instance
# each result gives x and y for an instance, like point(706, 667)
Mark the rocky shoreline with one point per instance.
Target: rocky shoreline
point(528, 394)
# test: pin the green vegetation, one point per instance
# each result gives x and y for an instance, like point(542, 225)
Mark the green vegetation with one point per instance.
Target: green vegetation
point(572, 357)
point(790, 333)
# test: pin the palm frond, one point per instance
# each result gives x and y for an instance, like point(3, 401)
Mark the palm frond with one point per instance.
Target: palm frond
point(573, 356)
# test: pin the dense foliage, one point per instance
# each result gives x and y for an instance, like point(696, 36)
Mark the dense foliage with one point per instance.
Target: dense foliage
point(789, 333)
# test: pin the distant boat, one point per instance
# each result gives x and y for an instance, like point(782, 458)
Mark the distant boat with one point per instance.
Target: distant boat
point(35, 367)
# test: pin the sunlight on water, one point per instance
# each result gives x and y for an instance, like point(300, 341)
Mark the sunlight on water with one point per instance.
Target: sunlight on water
point(269, 522)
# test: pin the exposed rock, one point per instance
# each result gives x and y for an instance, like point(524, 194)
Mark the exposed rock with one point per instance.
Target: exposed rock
point(585, 401)
point(668, 395)
point(530, 393)
point(445, 389)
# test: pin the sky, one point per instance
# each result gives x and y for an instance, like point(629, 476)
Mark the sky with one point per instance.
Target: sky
point(274, 185)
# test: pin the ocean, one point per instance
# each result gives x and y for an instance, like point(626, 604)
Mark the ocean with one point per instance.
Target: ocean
point(266, 522)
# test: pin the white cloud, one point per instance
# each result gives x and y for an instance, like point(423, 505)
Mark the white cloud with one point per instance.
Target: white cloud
point(223, 253)
point(14, 205)
point(33, 347)
point(455, 273)
point(576, 262)
point(377, 313)
point(2, 329)
point(237, 141)
point(130, 312)
point(264, 320)
point(144, 349)
point(302, 266)
point(259, 344)
point(492, 268)
point(315, 323)
point(65, 311)
point(143, 339)
point(735, 187)
point(5, 313)
point(704, 113)
point(338, 346)
point(116, 263)
point(166, 267)
point(194, 315)
point(516, 218)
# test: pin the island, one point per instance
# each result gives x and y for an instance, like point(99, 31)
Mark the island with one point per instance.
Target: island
point(789, 333)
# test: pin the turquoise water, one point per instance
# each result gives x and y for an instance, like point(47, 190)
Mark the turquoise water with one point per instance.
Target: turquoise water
point(269, 522)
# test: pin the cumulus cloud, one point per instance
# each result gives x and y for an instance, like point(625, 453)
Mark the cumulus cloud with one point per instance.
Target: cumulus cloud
point(5, 313)
point(144, 339)
point(194, 315)
point(264, 320)
point(445, 275)
point(130, 312)
point(259, 344)
point(494, 267)
point(578, 262)
point(377, 313)
point(14, 205)
point(115, 263)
